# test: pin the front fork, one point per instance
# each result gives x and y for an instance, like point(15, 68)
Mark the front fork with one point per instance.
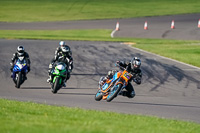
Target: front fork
point(124, 86)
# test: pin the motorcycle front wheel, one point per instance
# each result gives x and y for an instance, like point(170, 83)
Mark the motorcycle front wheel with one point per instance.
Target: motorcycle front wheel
point(56, 86)
point(98, 95)
point(116, 89)
point(19, 79)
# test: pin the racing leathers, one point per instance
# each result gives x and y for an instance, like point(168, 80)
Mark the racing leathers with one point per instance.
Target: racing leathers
point(137, 76)
point(15, 58)
point(58, 50)
point(136, 72)
point(60, 57)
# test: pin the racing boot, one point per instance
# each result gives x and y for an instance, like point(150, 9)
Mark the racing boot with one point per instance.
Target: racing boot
point(25, 78)
point(11, 69)
point(127, 94)
point(11, 75)
point(64, 83)
point(49, 79)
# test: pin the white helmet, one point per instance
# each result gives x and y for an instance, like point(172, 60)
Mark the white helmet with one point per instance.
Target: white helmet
point(20, 50)
point(62, 43)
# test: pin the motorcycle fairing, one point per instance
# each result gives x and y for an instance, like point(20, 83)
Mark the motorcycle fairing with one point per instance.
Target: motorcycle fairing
point(20, 66)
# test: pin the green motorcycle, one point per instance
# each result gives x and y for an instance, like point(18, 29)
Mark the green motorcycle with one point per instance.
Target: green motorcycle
point(59, 74)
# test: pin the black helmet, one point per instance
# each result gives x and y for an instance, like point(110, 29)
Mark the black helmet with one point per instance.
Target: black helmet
point(20, 50)
point(135, 63)
point(65, 50)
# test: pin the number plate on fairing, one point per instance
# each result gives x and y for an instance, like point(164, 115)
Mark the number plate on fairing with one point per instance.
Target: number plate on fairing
point(127, 76)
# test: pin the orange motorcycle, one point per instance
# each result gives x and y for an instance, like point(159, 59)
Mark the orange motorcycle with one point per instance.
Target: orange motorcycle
point(112, 87)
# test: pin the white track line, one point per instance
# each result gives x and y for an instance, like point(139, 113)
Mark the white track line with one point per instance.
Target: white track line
point(165, 58)
point(113, 32)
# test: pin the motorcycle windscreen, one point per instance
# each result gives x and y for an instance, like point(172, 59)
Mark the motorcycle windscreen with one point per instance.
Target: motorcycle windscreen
point(60, 67)
point(116, 76)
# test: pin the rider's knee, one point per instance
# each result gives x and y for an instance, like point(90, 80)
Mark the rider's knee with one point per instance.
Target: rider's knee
point(68, 76)
point(131, 95)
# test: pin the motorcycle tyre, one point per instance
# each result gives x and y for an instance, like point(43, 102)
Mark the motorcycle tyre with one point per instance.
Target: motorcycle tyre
point(99, 97)
point(19, 80)
point(56, 85)
point(115, 93)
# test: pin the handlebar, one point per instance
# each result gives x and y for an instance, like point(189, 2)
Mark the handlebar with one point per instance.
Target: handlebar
point(116, 64)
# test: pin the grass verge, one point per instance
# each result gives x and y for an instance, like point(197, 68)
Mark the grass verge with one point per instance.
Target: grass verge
point(30, 117)
point(60, 10)
point(184, 51)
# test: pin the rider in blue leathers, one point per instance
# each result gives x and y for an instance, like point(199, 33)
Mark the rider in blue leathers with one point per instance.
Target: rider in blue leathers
point(20, 53)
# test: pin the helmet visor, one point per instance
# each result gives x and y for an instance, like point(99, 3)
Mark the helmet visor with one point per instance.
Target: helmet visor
point(136, 63)
point(21, 52)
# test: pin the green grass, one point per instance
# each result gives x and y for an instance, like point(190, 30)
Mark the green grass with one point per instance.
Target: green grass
point(31, 117)
point(184, 51)
point(60, 10)
point(93, 35)
point(175, 49)
point(28, 117)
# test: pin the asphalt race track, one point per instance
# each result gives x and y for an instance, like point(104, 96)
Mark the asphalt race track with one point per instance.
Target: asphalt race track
point(186, 26)
point(169, 89)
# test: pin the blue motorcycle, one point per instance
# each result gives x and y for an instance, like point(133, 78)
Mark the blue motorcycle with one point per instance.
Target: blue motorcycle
point(19, 71)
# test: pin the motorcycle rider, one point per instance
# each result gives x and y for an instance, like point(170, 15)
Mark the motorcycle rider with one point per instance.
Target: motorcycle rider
point(59, 49)
point(132, 67)
point(20, 53)
point(63, 54)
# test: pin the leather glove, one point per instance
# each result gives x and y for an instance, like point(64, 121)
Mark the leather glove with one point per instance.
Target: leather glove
point(50, 66)
point(117, 63)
